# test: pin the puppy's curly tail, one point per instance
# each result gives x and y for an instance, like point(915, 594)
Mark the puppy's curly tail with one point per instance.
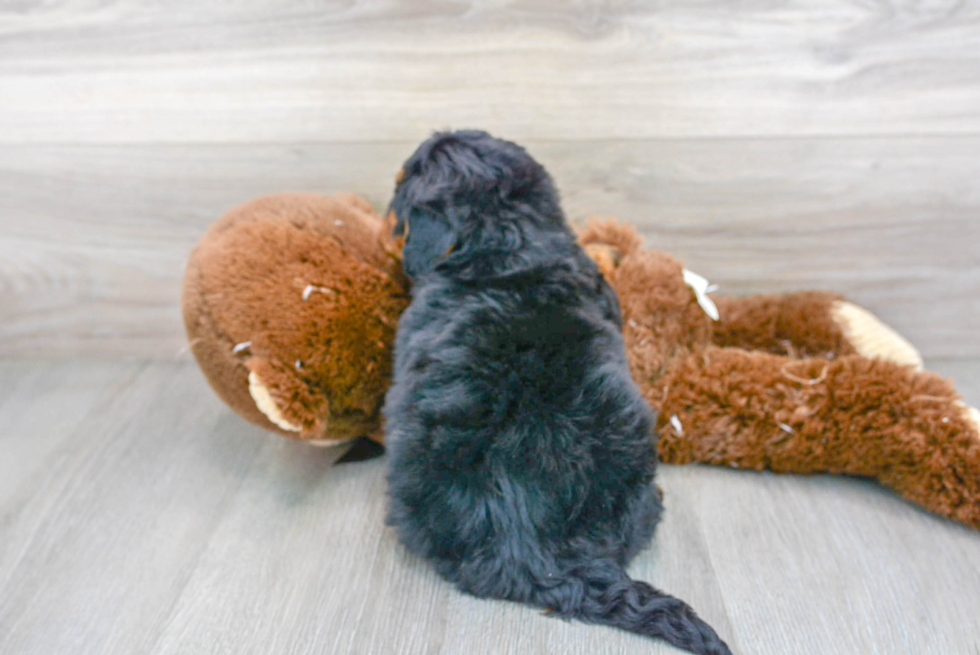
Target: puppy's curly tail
point(605, 594)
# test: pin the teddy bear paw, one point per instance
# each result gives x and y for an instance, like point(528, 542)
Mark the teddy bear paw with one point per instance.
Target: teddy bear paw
point(872, 338)
point(971, 415)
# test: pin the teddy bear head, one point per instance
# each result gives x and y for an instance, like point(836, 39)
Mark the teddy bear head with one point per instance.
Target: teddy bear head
point(291, 303)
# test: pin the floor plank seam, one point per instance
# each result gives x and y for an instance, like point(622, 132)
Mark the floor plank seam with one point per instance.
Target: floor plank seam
point(66, 481)
point(221, 517)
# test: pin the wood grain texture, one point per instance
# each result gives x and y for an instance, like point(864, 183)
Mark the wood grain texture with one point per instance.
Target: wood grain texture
point(41, 403)
point(163, 524)
point(94, 239)
point(97, 545)
point(341, 70)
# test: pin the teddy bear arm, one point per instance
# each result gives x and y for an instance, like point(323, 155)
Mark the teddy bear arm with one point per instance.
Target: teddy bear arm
point(792, 324)
point(808, 324)
point(853, 415)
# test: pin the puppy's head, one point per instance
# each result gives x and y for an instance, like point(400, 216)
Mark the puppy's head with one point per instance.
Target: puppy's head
point(465, 194)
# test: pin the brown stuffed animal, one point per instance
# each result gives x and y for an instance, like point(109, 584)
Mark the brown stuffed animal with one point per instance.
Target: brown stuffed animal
point(291, 304)
point(795, 383)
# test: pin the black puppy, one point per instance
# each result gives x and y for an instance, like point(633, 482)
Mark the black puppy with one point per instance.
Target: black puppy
point(522, 453)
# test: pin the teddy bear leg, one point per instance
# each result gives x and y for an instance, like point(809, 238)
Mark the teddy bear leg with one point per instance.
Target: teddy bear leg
point(808, 324)
point(853, 415)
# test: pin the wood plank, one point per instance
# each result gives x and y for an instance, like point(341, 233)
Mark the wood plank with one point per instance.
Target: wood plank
point(98, 544)
point(94, 239)
point(41, 403)
point(303, 563)
point(36, 397)
point(163, 524)
point(778, 563)
point(324, 575)
point(375, 70)
point(828, 564)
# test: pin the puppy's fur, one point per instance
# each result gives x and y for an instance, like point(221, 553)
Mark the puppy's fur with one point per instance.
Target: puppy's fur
point(522, 453)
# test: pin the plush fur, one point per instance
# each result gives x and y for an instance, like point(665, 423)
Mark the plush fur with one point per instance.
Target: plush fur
point(521, 460)
point(866, 409)
point(307, 288)
point(783, 382)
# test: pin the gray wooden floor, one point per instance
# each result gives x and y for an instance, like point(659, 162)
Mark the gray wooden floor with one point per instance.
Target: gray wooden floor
point(141, 516)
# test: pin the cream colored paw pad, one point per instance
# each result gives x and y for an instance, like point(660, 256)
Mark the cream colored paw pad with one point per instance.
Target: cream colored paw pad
point(872, 338)
point(972, 415)
point(264, 401)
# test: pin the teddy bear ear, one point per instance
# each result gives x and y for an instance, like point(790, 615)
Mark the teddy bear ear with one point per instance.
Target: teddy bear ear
point(286, 401)
point(283, 399)
point(610, 232)
point(268, 405)
point(606, 257)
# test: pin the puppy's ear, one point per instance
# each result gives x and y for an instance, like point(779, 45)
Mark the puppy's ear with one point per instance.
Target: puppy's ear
point(429, 238)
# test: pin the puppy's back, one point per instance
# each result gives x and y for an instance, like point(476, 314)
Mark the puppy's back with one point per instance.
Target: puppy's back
point(523, 386)
point(522, 454)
